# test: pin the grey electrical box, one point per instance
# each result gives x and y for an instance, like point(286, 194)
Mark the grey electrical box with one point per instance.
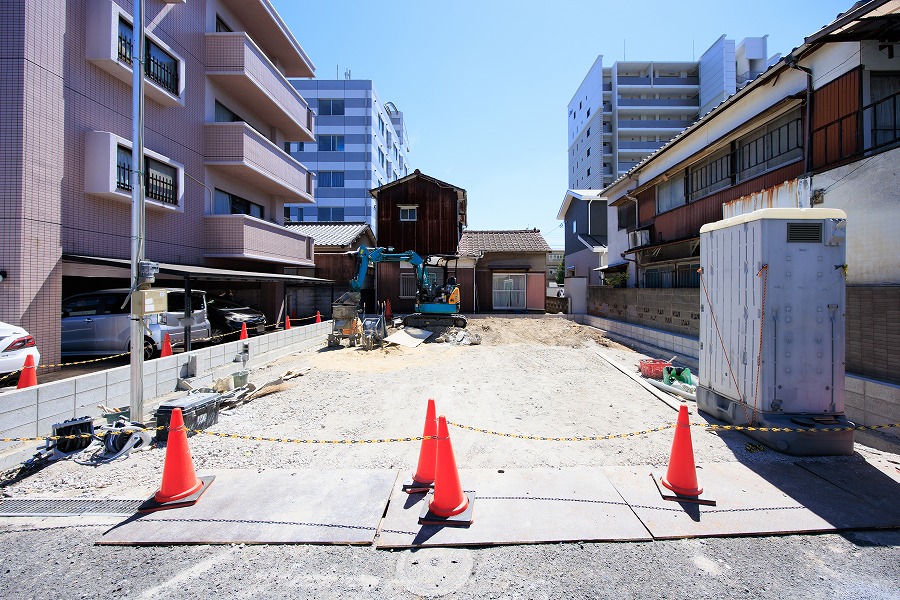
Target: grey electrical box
point(772, 326)
point(148, 269)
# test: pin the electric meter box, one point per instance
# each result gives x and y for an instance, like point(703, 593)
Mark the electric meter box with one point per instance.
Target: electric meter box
point(151, 302)
point(772, 305)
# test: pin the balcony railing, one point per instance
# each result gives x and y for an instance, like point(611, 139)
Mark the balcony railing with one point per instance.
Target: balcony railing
point(159, 188)
point(161, 73)
point(872, 129)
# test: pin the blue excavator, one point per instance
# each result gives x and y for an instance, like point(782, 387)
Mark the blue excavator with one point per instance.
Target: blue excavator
point(436, 304)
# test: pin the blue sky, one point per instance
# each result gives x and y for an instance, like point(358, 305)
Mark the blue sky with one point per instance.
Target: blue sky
point(484, 86)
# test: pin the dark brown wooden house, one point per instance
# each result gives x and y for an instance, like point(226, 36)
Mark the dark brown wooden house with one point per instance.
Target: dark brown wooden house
point(418, 213)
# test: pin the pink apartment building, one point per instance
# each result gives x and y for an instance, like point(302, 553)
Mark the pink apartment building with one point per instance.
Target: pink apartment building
point(218, 112)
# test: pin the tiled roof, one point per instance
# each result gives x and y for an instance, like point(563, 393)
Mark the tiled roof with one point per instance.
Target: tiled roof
point(475, 243)
point(331, 234)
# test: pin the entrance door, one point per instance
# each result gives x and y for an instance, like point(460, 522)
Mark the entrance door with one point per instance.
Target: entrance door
point(509, 291)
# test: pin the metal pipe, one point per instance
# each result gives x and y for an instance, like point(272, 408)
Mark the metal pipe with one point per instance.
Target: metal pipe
point(807, 150)
point(137, 210)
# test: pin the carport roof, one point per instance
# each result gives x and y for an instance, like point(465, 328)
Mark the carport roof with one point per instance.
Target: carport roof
point(204, 273)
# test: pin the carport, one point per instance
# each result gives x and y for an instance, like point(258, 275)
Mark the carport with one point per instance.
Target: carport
point(190, 275)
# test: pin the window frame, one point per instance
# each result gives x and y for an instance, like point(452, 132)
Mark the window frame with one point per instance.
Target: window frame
point(409, 213)
point(335, 143)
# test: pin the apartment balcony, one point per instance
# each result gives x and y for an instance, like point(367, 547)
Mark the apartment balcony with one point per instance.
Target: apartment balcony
point(243, 153)
point(658, 104)
point(236, 63)
point(249, 238)
point(653, 127)
point(639, 147)
point(679, 84)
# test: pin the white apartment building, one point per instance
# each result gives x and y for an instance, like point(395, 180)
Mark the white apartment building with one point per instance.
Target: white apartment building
point(361, 144)
point(624, 112)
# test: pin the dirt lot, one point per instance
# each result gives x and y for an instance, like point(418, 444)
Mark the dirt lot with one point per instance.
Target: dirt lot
point(539, 377)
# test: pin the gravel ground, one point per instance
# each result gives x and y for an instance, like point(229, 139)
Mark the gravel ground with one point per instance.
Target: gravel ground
point(539, 377)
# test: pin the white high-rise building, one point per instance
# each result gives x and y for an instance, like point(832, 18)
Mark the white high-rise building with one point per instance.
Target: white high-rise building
point(624, 112)
point(361, 144)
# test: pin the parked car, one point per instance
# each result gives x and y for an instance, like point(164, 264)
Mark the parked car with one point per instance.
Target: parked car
point(98, 323)
point(226, 316)
point(15, 345)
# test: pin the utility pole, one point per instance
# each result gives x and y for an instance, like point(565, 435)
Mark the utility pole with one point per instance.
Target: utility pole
point(137, 211)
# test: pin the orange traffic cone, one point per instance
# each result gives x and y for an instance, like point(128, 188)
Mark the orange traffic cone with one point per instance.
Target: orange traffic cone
point(423, 480)
point(180, 484)
point(318, 317)
point(448, 504)
point(681, 477)
point(166, 347)
point(244, 335)
point(387, 310)
point(28, 376)
point(287, 322)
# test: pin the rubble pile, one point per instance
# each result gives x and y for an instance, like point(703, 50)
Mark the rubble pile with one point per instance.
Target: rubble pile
point(454, 336)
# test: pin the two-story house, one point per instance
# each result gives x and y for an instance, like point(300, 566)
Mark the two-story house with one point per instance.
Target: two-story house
point(425, 215)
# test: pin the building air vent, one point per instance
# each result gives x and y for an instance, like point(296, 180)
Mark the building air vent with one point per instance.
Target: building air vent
point(804, 233)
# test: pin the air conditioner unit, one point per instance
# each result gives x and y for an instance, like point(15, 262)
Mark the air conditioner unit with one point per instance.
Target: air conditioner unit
point(637, 238)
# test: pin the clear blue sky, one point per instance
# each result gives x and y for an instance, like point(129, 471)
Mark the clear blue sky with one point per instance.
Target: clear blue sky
point(484, 86)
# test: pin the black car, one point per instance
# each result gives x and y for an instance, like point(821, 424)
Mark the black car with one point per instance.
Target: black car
point(227, 316)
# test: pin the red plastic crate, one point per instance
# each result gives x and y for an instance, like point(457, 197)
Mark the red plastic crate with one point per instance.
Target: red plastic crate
point(653, 368)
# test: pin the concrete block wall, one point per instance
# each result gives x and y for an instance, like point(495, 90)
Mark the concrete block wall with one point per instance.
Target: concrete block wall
point(670, 309)
point(32, 412)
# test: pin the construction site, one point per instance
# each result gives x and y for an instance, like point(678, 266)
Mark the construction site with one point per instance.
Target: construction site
point(564, 459)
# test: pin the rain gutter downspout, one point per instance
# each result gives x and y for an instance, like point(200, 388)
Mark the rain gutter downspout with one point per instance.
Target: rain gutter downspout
point(807, 150)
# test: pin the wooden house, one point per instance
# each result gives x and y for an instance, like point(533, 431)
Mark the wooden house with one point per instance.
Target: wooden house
point(418, 213)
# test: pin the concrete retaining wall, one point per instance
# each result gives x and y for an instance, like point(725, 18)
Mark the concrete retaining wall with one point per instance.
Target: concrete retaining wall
point(33, 411)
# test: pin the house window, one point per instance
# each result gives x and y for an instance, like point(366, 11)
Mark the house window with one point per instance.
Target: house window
point(160, 183)
point(627, 218)
point(221, 25)
point(588, 152)
point(381, 157)
point(224, 114)
point(409, 213)
point(776, 144)
point(292, 147)
point(407, 285)
point(710, 175)
point(508, 291)
point(331, 179)
point(230, 204)
point(331, 107)
point(325, 213)
point(670, 194)
point(588, 134)
point(589, 172)
point(159, 66)
point(331, 143)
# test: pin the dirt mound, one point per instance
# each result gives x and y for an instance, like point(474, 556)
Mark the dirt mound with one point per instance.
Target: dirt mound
point(498, 331)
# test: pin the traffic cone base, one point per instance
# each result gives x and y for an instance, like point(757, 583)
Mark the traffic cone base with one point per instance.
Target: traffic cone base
point(423, 479)
point(152, 505)
point(28, 376)
point(461, 519)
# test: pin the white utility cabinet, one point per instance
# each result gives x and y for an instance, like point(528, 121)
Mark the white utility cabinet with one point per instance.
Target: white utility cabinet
point(772, 304)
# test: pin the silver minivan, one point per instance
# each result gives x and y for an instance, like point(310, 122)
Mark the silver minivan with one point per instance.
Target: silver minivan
point(97, 323)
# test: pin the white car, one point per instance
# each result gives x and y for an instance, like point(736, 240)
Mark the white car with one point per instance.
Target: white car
point(15, 345)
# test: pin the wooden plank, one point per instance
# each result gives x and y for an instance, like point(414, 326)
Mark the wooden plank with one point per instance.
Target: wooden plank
point(246, 506)
point(521, 506)
point(755, 499)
